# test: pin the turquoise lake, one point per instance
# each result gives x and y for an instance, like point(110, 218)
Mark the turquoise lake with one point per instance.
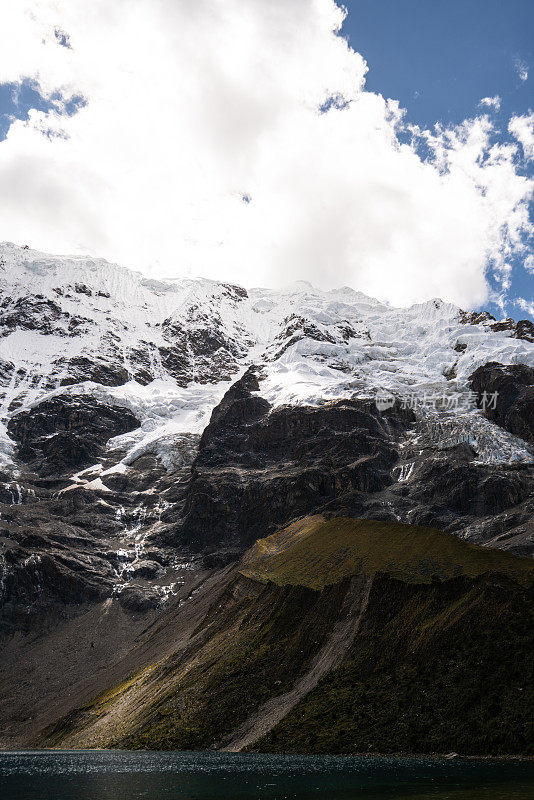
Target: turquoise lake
point(105, 775)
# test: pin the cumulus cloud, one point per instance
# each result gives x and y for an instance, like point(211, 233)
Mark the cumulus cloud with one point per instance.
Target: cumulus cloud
point(524, 305)
point(522, 128)
point(235, 139)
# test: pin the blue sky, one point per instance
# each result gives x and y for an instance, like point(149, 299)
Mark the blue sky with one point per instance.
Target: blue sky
point(160, 186)
point(439, 59)
point(16, 100)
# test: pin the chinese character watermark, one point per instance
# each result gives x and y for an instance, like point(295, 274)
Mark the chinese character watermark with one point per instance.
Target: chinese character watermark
point(487, 401)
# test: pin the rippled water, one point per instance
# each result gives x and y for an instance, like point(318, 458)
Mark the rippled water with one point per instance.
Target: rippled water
point(105, 774)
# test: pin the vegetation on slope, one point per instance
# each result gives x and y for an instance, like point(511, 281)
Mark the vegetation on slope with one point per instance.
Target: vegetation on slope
point(316, 552)
point(441, 661)
point(437, 668)
point(233, 675)
point(253, 644)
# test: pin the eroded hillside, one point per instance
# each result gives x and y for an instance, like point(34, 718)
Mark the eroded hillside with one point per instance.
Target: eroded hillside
point(339, 636)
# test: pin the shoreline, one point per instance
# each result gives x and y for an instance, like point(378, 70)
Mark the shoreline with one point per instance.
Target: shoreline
point(401, 755)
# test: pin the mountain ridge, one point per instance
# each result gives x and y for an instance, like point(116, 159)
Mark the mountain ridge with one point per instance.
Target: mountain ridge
point(152, 432)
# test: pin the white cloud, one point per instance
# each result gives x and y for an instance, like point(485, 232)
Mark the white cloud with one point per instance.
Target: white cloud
point(521, 67)
point(491, 102)
point(503, 276)
point(522, 128)
point(193, 106)
point(529, 264)
point(525, 305)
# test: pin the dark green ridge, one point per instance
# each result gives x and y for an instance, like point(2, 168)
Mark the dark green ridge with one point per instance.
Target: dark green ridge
point(316, 553)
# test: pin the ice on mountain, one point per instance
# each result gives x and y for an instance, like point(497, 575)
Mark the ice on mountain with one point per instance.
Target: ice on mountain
point(344, 344)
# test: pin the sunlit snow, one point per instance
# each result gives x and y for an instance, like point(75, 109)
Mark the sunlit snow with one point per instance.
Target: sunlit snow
point(313, 346)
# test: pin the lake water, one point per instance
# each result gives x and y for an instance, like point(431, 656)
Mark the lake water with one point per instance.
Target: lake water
point(119, 775)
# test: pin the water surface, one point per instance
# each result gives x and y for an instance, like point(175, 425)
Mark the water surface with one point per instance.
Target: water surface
point(120, 775)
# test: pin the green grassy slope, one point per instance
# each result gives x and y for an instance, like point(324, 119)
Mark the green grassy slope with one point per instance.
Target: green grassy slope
point(252, 645)
point(315, 552)
point(437, 668)
point(442, 659)
point(234, 674)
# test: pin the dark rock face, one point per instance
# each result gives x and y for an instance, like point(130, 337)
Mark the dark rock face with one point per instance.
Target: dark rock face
point(36, 313)
point(67, 432)
point(102, 373)
point(65, 544)
point(525, 330)
point(448, 488)
point(253, 470)
point(204, 355)
point(48, 564)
point(522, 329)
point(258, 468)
point(57, 547)
point(475, 317)
point(61, 550)
point(514, 406)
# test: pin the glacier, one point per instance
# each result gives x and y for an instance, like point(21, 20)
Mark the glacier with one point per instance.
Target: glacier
point(61, 313)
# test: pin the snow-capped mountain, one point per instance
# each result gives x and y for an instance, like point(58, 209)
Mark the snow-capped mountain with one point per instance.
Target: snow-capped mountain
point(151, 428)
point(168, 350)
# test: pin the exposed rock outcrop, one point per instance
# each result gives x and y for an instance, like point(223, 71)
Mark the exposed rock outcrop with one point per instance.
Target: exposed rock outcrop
point(67, 433)
point(258, 468)
point(522, 329)
point(513, 389)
